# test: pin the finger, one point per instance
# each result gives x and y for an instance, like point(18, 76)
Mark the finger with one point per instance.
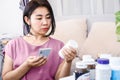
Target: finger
point(66, 53)
point(43, 62)
point(69, 53)
point(40, 62)
point(36, 59)
point(73, 50)
point(31, 57)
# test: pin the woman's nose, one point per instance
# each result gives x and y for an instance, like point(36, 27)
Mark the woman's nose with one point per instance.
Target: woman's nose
point(44, 21)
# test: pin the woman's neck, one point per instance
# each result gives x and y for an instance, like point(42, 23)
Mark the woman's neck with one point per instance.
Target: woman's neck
point(36, 39)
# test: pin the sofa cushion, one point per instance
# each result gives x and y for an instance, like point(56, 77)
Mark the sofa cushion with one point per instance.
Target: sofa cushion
point(75, 29)
point(101, 39)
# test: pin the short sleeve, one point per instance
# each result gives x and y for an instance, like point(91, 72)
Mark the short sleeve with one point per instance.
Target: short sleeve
point(9, 49)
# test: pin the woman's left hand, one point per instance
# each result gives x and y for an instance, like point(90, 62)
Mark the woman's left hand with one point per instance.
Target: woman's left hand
point(69, 54)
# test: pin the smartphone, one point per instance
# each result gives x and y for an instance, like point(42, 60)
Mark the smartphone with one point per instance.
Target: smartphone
point(44, 51)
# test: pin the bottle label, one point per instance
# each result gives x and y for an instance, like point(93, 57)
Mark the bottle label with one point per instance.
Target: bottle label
point(103, 74)
point(85, 76)
point(115, 75)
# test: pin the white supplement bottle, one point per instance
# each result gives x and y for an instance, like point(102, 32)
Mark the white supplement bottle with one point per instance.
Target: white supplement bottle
point(103, 69)
point(70, 43)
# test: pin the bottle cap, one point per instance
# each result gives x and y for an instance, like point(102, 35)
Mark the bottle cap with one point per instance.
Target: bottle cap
point(72, 43)
point(88, 59)
point(103, 61)
point(81, 65)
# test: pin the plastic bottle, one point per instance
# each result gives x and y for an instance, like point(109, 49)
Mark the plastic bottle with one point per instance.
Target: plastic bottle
point(70, 43)
point(115, 66)
point(103, 70)
point(81, 72)
point(90, 62)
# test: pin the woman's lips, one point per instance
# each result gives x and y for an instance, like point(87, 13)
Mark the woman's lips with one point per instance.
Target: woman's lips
point(45, 29)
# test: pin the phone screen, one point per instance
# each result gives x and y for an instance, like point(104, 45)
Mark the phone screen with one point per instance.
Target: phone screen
point(44, 51)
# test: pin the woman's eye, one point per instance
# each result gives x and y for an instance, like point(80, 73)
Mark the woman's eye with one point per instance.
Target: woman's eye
point(48, 17)
point(39, 18)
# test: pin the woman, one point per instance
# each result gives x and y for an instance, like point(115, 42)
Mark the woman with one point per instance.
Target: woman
point(22, 60)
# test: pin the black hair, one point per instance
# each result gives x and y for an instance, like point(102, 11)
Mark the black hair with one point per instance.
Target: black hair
point(31, 6)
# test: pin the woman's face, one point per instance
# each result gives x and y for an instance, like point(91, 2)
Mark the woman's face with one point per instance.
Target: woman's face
point(40, 21)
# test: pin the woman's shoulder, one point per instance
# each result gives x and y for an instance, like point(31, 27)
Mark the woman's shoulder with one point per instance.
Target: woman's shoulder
point(16, 39)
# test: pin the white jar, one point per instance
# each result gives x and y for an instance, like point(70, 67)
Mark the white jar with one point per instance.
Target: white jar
point(115, 66)
point(81, 72)
point(90, 62)
point(103, 70)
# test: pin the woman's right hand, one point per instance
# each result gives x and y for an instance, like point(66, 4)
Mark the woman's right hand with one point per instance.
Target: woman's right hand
point(35, 61)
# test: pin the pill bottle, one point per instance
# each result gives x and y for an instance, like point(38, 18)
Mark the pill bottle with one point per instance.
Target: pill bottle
point(81, 72)
point(90, 62)
point(70, 43)
point(103, 69)
point(115, 67)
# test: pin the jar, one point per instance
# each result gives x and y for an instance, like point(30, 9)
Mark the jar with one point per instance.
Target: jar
point(90, 62)
point(81, 72)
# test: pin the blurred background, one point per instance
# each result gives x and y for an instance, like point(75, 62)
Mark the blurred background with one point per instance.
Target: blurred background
point(92, 10)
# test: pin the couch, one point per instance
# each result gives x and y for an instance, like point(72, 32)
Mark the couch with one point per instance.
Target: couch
point(101, 38)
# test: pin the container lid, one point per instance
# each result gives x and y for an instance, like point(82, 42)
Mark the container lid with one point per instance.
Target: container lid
point(88, 59)
point(72, 43)
point(80, 65)
point(103, 61)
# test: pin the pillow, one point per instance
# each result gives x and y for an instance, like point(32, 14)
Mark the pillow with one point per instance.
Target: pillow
point(101, 39)
point(75, 29)
point(5, 38)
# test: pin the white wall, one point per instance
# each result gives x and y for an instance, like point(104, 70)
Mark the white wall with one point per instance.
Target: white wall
point(10, 17)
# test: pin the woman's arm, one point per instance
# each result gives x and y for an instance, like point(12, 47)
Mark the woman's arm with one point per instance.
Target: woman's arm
point(65, 66)
point(9, 74)
point(63, 70)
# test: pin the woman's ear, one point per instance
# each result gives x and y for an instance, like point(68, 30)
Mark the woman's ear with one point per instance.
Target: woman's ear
point(27, 20)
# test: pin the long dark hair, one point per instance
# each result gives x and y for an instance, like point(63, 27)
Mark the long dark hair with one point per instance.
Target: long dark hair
point(31, 6)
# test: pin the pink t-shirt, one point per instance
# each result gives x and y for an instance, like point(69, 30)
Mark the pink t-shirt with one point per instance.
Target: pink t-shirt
point(18, 49)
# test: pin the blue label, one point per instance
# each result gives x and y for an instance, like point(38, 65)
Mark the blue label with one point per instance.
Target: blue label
point(115, 75)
